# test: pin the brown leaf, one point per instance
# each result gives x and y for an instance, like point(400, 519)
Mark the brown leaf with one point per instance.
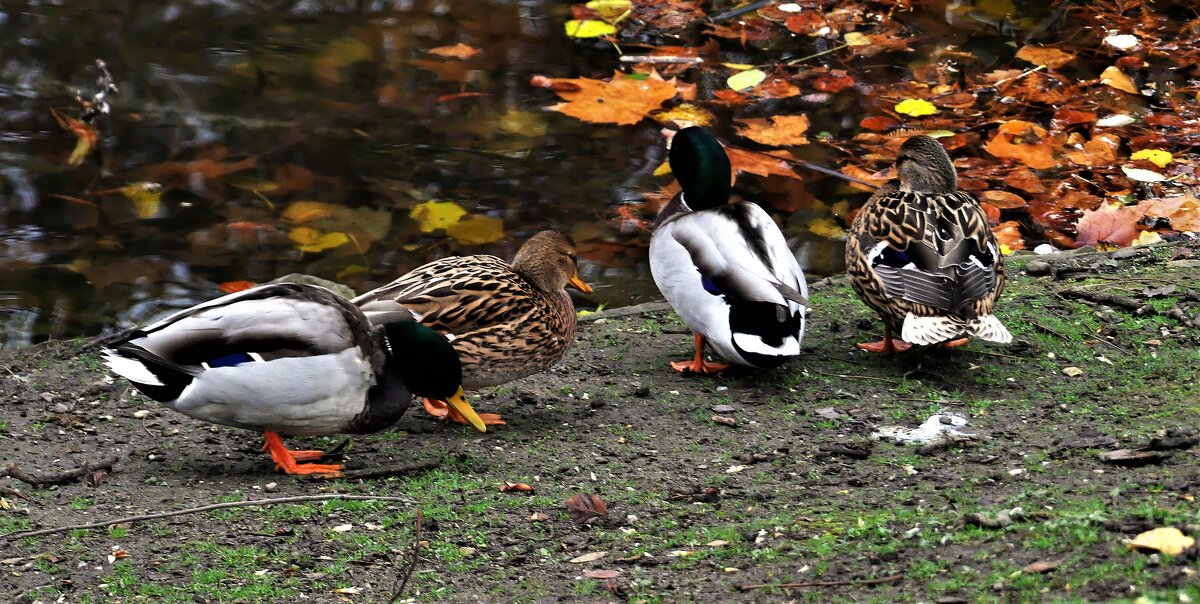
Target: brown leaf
point(1042, 566)
point(86, 136)
point(762, 164)
point(585, 506)
point(1004, 200)
point(1112, 223)
point(622, 100)
point(1113, 76)
point(833, 82)
point(454, 51)
point(780, 131)
point(1023, 141)
point(1182, 212)
point(1025, 180)
point(601, 574)
point(515, 487)
point(1098, 152)
point(879, 123)
point(1052, 58)
point(591, 557)
point(1008, 236)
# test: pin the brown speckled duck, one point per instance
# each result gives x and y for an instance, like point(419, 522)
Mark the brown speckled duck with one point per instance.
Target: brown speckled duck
point(923, 256)
point(506, 321)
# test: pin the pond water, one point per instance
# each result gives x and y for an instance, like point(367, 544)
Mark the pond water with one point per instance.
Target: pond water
point(240, 110)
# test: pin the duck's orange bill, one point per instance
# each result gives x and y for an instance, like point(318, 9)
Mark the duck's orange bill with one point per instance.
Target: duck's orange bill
point(578, 284)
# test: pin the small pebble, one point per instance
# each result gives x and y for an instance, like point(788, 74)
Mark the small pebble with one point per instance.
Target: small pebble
point(270, 486)
point(141, 414)
point(1037, 268)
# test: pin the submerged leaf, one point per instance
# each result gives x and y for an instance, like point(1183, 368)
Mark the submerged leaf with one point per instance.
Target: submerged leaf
point(454, 51)
point(780, 131)
point(311, 240)
point(623, 100)
point(590, 28)
point(476, 230)
point(1023, 141)
point(434, 215)
point(915, 107)
point(744, 80)
point(1113, 76)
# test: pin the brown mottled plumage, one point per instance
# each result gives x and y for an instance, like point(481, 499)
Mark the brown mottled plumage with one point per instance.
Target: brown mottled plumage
point(923, 256)
point(506, 321)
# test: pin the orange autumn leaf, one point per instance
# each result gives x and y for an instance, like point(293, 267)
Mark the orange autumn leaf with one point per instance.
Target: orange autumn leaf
point(86, 136)
point(232, 287)
point(1114, 77)
point(1052, 58)
point(1008, 236)
point(762, 164)
point(1098, 152)
point(879, 123)
point(1024, 141)
point(779, 131)
point(454, 51)
point(585, 506)
point(1183, 213)
point(624, 100)
point(1111, 223)
point(1004, 200)
point(515, 487)
point(1025, 180)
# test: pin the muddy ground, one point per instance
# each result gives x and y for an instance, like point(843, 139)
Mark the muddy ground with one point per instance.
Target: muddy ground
point(717, 489)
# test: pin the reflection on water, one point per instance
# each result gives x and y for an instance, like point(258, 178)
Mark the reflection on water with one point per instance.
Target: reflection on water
point(242, 109)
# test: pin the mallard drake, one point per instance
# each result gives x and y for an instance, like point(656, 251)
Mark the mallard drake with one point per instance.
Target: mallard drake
point(289, 359)
point(922, 255)
point(506, 321)
point(725, 268)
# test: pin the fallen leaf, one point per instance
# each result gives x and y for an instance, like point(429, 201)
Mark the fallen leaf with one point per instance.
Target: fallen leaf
point(517, 487)
point(1042, 566)
point(311, 240)
point(1167, 539)
point(1004, 200)
point(779, 131)
point(747, 79)
point(146, 198)
point(824, 226)
point(303, 212)
point(915, 107)
point(538, 517)
point(879, 123)
point(1023, 141)
point(1101, 151)
point(477, 230)
point(592, 557)
point(343, 528)
point(454, 51)
point(684, 115)
point(1141, 175)
point(623, 100)
point(610, 9)
point(1182, 213)
point(1114, 77)
point(855, 38)
point(589, 28)
point(1052, 58)
point(1157, 157)
point(433, 215)
point(1115, 121)
point(760, 163)
point(1072, 371)
point(348, 590)
point(585, 506)
point(601, 574)
point(1008, 237)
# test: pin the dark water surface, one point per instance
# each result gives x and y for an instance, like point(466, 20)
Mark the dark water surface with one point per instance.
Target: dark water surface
point(242, 109)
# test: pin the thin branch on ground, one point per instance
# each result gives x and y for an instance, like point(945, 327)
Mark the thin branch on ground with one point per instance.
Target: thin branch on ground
point(413, 558)
point(203, 508)
point(879, 581)
point(853, 377)
point(37, 480)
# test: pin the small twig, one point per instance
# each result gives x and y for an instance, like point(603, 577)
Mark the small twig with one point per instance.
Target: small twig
point(203, 508)
point(37, 480)
point(853, 377)
point(414, 558)
point(660, 59)
point(879, 581)
point(815, 55)
point(1139, 308)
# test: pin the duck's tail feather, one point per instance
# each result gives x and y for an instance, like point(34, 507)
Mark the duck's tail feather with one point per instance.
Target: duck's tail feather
point(157, 378)
point(925, 331)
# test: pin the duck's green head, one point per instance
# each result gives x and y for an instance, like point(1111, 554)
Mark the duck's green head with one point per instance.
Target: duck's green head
point(429, 365)
point(702, 168)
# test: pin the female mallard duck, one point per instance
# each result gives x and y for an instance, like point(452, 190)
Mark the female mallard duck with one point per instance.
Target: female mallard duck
point(922, 255)
point(506, 321)
point(725, 268)
point(289, 359)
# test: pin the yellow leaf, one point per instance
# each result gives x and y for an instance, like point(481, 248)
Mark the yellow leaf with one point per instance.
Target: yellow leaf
point(590, 28)
point(857, 39)
point(1005, 250)
point(746, 79)
point(146, 198)
point(1147, 238)
point(1113, 76)
point(434, 215)
point(684, 115)
point(1157, 157)
point(303, 212)
point(915, 107)
point(311, 240)
point(1167, 539)
point(477, 230)
point(739, 66)
point(610, 9)
point(826, 227)
point(662, 170)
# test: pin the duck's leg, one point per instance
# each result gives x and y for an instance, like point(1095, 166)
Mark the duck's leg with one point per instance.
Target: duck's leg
point(286, 460)
point(888, 345)
point(698, 365)
point(951, 343)
point(443, 411)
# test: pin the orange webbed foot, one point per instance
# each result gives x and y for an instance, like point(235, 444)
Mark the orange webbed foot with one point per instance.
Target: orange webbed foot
point(951, 343)
point(286, 460)
point(698, 367)
point(885, 346)
point(443, 411)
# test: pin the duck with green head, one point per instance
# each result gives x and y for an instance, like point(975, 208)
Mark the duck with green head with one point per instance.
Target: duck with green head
point(725, 268)
point(289, 359)
point(922, 255)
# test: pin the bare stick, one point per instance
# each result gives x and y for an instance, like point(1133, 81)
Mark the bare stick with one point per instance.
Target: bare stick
point(879, 581)
point(852, 377)
point(659, 59)
point(203, 508)
point(37, 480)
point(414, 557)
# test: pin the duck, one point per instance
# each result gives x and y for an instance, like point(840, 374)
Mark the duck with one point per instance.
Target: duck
point(725, 267)
point(505, 320)
point(922, 256)
point(289, 360)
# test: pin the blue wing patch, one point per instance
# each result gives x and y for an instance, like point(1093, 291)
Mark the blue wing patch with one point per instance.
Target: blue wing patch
point(709, 286)
point(230, 360)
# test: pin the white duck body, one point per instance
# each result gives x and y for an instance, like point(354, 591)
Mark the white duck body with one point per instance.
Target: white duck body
point(297, 360)
point(730, 275)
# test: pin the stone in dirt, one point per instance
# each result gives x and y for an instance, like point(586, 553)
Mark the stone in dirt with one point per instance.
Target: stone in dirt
point(939, 426)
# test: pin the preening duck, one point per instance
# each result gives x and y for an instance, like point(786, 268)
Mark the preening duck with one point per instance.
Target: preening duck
point(923, 256)
point(506, 321)
point(289, 359)
point(725, 268)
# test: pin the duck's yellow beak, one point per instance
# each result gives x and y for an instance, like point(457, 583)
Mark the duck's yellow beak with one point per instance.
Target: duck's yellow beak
point(578, 284)
point(459, 403)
